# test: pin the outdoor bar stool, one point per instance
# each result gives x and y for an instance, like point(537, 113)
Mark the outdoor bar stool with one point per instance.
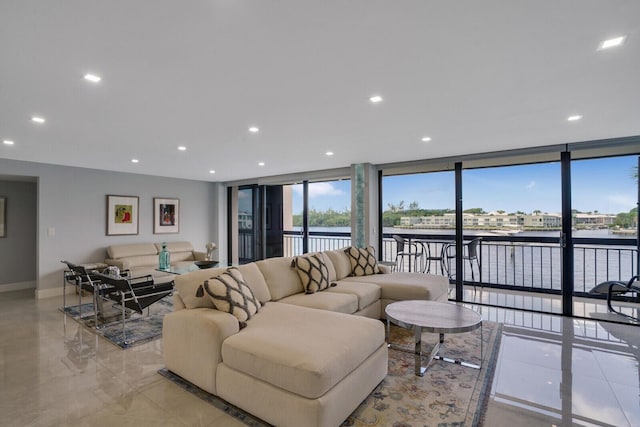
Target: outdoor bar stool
point(470, 252)
point(412, 251)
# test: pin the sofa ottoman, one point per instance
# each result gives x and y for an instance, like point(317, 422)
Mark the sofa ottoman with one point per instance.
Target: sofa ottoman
point(318, 365)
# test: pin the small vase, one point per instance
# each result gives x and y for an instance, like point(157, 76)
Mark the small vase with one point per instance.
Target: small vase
point(163, 258)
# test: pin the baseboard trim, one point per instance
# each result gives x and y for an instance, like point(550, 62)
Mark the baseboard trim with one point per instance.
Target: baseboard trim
point(54, 292)
point(18, 286)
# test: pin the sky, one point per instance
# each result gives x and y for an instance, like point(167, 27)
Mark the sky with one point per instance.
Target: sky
point(606, 185)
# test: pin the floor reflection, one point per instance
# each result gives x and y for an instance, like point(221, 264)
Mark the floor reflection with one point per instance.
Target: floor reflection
point(573, 372)
point(551, 371)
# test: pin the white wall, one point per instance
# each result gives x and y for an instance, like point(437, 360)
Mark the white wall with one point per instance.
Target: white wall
point(72, 202)
point(18, 248)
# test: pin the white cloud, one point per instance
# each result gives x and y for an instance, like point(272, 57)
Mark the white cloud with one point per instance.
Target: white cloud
point(621, 202)
point(530, 185)
point(318, 189)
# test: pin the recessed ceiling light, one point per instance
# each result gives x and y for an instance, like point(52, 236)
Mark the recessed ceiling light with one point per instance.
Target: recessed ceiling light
point(92, 78)
point(7, 142)
point(134, 160)
point(261, 164)
point(37, 119)
point(616, 41)
point(254, 129)
point(574, 118)
point(426, 138)
point(375, 99)
point(212, 171)
point(329, 153)
point(182, 148)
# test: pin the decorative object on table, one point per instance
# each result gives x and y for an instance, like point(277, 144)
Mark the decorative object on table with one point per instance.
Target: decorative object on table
point(3, 217)
point(210, 248)
point(206, 264)
point(166, 215)
point(122, 215)
point(112, 271)
point(449, 395)
point(164, 261)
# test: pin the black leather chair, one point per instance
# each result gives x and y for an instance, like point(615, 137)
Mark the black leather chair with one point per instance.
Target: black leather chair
point(85, 280)
point(135, 294)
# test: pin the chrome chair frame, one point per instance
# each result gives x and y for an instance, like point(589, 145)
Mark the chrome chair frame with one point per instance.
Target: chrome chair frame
point(85, 280)
point(134, 294)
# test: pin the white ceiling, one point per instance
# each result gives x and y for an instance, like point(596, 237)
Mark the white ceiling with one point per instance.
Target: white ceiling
point(476, 76)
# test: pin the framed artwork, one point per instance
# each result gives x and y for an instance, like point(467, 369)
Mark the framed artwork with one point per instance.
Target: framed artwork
point(166, 215)
point(3, 217)
point(122, 215)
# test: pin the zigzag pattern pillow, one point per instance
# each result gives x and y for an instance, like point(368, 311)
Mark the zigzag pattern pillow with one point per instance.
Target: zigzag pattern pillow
point(363, 261)
point(313, 272)
point(230, 293)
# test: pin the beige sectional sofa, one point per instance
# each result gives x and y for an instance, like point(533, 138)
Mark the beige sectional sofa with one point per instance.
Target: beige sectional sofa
point(142, 258)
point(302, 359)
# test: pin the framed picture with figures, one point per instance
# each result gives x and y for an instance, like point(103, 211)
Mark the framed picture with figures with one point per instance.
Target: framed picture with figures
point(122, 215)
point(166, 215)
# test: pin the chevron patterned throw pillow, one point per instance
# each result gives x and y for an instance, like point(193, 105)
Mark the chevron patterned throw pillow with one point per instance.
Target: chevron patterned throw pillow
point(363, 261)
point(230, 293)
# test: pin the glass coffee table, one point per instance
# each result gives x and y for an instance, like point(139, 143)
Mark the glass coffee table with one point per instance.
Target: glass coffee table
point(185, 268)
point(436, 317)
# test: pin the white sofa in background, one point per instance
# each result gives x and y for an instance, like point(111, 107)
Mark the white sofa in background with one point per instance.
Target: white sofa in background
point(302, 359)
point(142, 258)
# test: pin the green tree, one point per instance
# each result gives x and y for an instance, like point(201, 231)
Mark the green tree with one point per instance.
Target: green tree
point(476, 211)
point(627, 219)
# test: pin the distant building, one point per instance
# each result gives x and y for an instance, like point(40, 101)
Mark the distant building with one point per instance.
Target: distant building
point(543, 220)
point(597, 220)
point(488, 220)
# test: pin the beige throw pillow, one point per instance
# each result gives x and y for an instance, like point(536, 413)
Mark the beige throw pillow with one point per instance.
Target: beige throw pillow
point(363, 261)
point(313, 272)
point(230, 293)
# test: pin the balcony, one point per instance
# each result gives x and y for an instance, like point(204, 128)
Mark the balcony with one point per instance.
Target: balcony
point(517, 271)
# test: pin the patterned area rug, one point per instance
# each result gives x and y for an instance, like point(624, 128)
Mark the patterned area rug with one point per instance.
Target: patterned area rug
point(138, 328)
point(448, 395)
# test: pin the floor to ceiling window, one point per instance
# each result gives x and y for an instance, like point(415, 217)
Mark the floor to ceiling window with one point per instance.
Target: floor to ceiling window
point(549, 226)
point(420, 208)
point(328, 216)
point(247, 226)
point(604, 200)
point(515, 212)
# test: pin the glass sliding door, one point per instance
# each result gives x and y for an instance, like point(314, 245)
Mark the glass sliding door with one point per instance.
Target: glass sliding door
point(514, 215)
point(605, 223)
point(292, 211)
point(327, 216)
point(419, 208)
point(248, 224)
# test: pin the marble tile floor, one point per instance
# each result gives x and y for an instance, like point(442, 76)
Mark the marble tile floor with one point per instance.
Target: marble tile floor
point(552, 371)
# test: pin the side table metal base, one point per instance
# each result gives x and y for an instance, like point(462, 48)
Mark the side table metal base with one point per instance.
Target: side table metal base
point(419, 368)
